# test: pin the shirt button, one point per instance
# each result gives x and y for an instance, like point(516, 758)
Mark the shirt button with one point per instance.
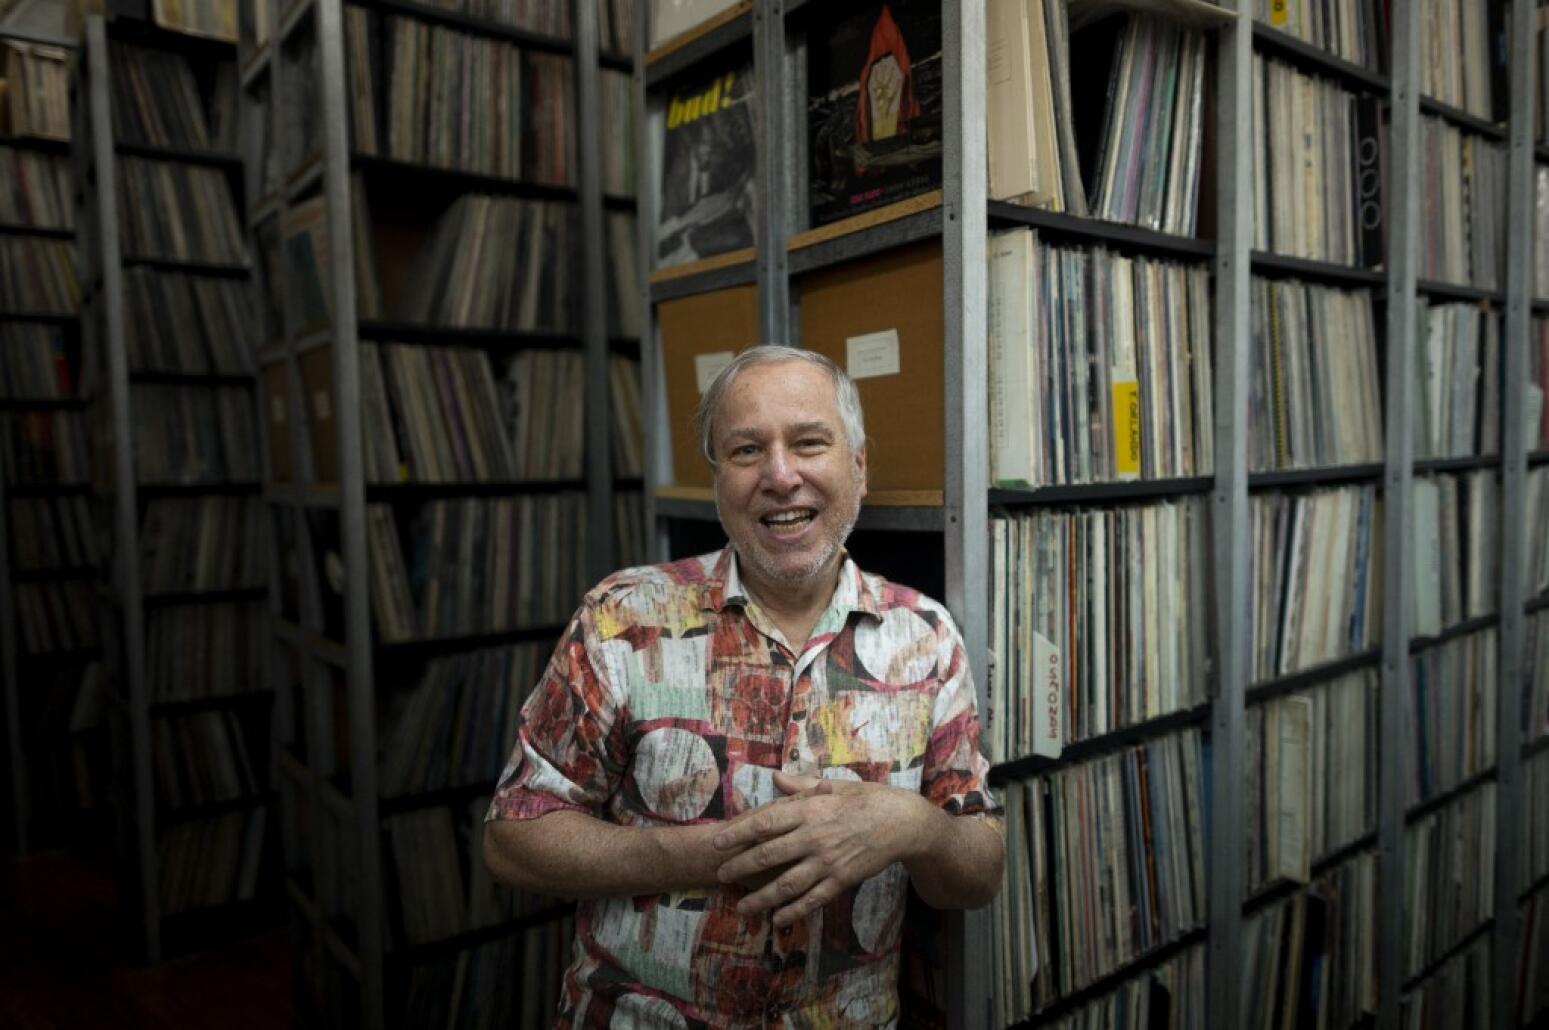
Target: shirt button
point(795, 754)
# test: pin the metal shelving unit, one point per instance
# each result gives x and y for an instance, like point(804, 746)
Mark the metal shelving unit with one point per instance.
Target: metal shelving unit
point(143, 815)
point(332, 686)
point(961, 220)
point(19, 740)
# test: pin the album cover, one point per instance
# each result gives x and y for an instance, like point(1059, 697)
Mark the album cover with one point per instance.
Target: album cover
point(706, 203)
point(873, 107)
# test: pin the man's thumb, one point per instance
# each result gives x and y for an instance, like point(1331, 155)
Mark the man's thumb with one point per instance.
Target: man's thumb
point(790, 783)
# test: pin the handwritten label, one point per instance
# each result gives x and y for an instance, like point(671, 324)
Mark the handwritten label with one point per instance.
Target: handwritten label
point(871, 355)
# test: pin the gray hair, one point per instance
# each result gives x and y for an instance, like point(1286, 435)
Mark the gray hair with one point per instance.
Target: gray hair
point(845, 394)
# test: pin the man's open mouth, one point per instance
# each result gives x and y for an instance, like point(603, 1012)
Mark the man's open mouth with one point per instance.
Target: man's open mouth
point(789, 519)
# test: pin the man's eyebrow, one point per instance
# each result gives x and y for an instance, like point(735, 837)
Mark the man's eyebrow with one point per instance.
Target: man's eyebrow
point(813, 427)
point(742, 432)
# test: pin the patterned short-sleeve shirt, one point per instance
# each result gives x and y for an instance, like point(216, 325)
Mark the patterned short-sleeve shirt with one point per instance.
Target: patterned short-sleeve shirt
point(671, 701)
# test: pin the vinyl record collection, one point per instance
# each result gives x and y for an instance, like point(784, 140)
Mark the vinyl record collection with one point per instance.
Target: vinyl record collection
point(1099, 365)
point(1450, 886)
point(1459, 397)
point(34, 363)
point(534, 574)
point(38, 276)
point(1461, 60)
point(37, 78)
point(1099, 621)
point(202, 759)
point(1536, 403)
point(54, 616)
point(194, 435)
point(1540, 238)
point(38, 189)
point(1535, 570)
point(178, 212)
point(1535, 850)
point(1317, 182)
point(1463, 233)
point(1171, 995)
point(1535, 657)
point(443, 885)
point(157, 102)
point(1033, 158)
point(1457, 995)
point(206, 543)
point(617, 103)
point(1315, 399)
point(432, 415)
point(457, 726)
point(1084, 891)
point(1452, 711)
point(514, 981)
point(543, 17)
point(457, 100)
point(44, 447)
point(623, 283)
point(52, 533)
point(1313, 774)
point(1311, 960)
point(213, 650)
point(1145, 164)
point(1324, 543)
point(628, 434)
point(1533, 957)
point(1356, 32)
point(496, 263)
point(212, 862)
point(215, 323)
point(1456, 549)
point(543, 397)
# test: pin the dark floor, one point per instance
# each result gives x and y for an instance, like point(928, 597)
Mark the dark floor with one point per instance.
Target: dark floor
point(64, 962)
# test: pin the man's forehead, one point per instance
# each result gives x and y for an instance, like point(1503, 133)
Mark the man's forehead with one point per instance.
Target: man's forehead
point(786, 386)
point(809, 425)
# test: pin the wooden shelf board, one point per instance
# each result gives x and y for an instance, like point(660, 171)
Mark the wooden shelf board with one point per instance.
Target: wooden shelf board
point(710, 264)
point(866, 220)
point(699, 31)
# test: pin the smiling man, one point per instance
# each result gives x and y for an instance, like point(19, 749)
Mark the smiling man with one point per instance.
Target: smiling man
point(739, 761)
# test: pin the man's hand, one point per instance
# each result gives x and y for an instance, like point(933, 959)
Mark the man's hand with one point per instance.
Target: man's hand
point(827, 836)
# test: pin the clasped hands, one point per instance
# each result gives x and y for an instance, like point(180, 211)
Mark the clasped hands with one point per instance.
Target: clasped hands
point(799, 852)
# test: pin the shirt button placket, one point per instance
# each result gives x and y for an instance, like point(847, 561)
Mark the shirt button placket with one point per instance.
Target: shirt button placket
point(798, 712)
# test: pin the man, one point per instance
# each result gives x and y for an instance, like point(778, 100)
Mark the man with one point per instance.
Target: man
point(737, 759)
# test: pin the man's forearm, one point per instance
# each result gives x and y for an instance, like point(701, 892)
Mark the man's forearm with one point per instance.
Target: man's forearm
point(571, 854)
point(960, 861)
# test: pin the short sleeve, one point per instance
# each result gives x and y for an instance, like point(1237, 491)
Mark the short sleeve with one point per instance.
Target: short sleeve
point(956, 774)
point(566, 755)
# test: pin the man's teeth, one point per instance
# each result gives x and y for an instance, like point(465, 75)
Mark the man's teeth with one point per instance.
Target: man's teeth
point(787, 518)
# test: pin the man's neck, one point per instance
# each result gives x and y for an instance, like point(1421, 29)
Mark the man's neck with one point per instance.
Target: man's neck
point(795, 609)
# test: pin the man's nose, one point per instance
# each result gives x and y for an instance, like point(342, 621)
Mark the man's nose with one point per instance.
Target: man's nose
point(780, 471)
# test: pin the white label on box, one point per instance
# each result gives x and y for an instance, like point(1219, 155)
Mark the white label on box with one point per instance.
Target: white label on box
point(708, 366)
point(277, 409)
point(321, 405)
point(871, 355)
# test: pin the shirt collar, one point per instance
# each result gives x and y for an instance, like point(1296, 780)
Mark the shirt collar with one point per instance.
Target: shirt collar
point(852, 594)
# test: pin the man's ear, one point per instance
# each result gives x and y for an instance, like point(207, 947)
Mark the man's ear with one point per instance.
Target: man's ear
point(860, 467)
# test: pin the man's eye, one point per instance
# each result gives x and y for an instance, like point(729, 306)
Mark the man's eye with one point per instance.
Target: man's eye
point(747, 450)
point(812, 444)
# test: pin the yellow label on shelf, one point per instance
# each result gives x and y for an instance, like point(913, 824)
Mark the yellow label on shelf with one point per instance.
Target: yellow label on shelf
point(1279, 12)
point(1126, 427)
